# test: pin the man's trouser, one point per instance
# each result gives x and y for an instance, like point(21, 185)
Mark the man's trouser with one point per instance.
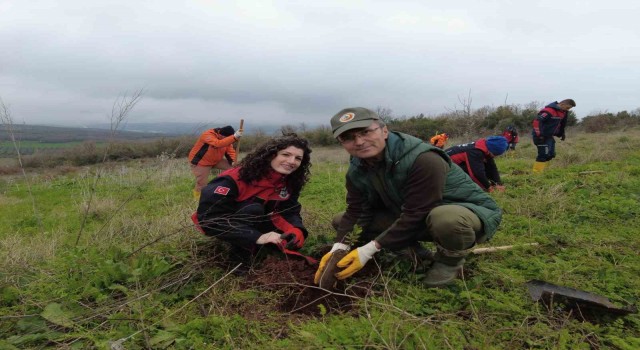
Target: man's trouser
point(202, 173)
point(546, 150)
point(452, 227)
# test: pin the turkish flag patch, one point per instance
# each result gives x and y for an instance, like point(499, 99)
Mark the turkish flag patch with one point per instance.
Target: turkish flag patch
point(221, 190)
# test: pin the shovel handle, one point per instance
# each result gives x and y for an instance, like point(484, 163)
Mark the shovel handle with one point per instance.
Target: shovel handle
point(238, 142)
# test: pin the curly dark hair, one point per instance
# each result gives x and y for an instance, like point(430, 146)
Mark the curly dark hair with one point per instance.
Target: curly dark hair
point(258, 163)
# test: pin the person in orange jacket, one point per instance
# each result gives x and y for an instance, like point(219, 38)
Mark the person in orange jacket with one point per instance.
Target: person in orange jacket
point(439, 140)
point(214, 149)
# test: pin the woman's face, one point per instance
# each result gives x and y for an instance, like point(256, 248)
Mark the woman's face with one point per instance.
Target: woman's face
point(287, 160)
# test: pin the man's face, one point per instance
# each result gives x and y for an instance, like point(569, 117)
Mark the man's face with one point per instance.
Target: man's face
point(365, 143)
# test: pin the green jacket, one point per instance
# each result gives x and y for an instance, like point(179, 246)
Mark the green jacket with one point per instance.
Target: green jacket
point(386, 185)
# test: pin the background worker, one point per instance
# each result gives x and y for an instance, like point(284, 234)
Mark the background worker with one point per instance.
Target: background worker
point(256, 202)
point(477, 160)
point(551, 121)
point(402, 191)
point(511, 134)
point(214, 149)
point(439, 140)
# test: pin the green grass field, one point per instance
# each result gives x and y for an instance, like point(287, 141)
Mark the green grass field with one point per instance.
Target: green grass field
point(141, 277)
point(38, 144)
point(8, 149)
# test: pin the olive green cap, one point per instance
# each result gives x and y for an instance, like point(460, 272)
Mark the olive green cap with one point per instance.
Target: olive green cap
point(352, 118)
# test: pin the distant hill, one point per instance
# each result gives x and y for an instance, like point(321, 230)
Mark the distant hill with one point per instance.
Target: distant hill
point(172, 128)
point(43, 133)
point(130, 131)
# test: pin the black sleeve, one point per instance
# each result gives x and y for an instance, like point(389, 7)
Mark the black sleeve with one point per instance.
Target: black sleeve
point(477, 167)
point(492, 171)
point(218, 213)
point(563, 124)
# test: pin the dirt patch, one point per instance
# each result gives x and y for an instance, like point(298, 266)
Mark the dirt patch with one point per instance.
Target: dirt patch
point(293, 281)
point(290, 279)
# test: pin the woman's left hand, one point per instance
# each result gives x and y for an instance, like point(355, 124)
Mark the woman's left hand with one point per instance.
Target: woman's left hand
point(270, 237)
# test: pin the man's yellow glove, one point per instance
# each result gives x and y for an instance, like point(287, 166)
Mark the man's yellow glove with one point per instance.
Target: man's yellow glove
point(356, 259)
point(325, 259)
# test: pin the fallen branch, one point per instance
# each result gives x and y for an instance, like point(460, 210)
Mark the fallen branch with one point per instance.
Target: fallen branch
point(504, 247)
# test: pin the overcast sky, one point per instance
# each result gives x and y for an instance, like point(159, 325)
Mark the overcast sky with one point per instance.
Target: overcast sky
point(65, 62)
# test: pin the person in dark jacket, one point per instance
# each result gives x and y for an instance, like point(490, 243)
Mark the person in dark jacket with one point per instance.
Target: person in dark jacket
point(476, 159)
point(511, 134)
point(256, 202)
point(551, 121)
point(402, 191)
point(213, 149)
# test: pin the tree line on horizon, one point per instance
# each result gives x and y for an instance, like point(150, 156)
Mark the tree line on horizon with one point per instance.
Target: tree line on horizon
point(464, 122)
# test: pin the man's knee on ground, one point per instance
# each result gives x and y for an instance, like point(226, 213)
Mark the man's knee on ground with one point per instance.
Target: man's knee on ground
point(453, 227)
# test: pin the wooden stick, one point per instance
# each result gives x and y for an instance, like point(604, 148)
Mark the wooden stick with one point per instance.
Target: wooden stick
point(504, 247)
point(591, 172)
point(238, 142)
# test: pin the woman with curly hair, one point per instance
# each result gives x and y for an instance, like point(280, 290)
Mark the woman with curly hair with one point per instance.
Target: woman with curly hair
point(256, 202)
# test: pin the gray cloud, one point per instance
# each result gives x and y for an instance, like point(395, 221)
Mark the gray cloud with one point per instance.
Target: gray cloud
point(290, 62)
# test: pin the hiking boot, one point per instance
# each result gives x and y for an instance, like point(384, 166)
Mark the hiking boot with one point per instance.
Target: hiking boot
point(440, 274)
point(445, 269)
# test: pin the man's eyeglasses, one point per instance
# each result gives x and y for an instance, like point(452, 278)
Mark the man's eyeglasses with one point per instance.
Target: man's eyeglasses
point(351, 136)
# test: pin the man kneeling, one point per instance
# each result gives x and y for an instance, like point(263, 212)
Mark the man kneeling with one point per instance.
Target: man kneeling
point(402, 191)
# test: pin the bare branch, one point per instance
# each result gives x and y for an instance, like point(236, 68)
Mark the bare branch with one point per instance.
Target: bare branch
point(384, 113)
point(7, 121)
point(120, 110)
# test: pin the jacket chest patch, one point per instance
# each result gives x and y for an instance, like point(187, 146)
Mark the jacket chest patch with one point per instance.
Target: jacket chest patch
point(222, 190)
point(282, 193)
point(273, 194)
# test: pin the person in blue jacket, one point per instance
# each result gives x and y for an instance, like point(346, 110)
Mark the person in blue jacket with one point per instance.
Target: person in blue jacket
point(477, 160)
point(551, 121)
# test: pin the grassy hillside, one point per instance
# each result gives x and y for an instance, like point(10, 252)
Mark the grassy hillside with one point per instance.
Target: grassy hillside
point(140, 276)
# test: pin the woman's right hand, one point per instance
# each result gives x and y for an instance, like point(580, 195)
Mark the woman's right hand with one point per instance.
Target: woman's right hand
point(269, 237)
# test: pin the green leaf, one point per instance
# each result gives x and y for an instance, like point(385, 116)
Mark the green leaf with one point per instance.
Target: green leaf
point(5, 345)
point(54, 314)
point(162, 340)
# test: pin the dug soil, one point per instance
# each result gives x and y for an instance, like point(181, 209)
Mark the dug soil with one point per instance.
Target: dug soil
point(292, 279)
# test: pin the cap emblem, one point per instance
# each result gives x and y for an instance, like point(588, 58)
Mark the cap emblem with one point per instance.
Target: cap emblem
point(347, 117)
